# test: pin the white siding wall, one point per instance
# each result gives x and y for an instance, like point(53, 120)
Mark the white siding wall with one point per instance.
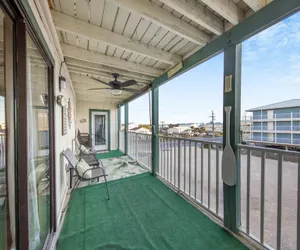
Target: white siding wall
point(83, 110)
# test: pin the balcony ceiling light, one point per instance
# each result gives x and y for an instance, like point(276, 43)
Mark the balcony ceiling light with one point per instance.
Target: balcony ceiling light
point(116, 91)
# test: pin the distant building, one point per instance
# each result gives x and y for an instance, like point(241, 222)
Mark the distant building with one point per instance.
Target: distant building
point(177, 130)
point(141, 130)
point(277, 122)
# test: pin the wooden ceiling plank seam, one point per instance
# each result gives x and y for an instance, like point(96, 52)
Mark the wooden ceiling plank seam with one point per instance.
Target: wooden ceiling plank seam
point(179, 46)
point(96, 10)
point(173, 43)
point(107, 71)
point(57, 5)
point(256, 5)
point(67, 7)
point(103, 76)
point(198, 14)
point(131, 24)
point(169, 37)
point(152, 30)
point(227, 9)
point(107, 75)
point(159, 35)
point(86, 55)
point(109, 15)
point(82, 10)
point(121, 21)
point(75, 26)
point(165, 19)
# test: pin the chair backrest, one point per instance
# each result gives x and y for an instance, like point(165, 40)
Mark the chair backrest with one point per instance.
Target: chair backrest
point(70, 157)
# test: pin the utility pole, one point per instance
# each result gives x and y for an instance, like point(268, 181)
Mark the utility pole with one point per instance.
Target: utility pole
point(213, 117)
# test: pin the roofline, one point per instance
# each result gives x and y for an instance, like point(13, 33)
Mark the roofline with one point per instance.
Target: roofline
point(257, 109)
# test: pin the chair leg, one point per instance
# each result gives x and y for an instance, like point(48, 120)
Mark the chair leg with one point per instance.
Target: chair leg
point(106, 188)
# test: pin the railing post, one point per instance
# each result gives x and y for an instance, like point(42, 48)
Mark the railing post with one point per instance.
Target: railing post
point(232, 97)
point(126, 128)
point(119, 125)
point(155, 130)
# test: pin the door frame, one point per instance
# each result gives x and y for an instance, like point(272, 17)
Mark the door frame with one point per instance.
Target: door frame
point(108, 124)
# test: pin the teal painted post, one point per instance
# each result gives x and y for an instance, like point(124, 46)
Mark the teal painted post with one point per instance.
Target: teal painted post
point(155, 130)
point(126, 127)
point(119, 125)
point(232, 66)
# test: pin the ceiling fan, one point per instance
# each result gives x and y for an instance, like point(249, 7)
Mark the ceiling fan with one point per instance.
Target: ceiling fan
point(116, 86)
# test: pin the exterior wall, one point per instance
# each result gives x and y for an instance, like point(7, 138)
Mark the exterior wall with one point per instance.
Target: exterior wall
point(83, 109)
point(61, 142)
point(287, 113)
point(280, 125)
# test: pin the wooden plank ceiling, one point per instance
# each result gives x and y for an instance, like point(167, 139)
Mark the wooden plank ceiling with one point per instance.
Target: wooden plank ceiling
point(139, 39)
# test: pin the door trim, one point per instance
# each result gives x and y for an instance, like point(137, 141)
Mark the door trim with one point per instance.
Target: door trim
point(90, 123)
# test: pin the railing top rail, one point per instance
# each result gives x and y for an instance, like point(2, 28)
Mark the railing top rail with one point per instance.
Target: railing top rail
point(136, 133)
point(270, 150)
point(193, 140)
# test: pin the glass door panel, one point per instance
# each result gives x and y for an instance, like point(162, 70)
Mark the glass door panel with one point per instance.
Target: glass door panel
point(38, 147)
point(99, 130)
point(100, 136)
point(7, 198)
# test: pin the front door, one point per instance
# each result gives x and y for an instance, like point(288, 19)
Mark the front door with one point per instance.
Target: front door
point(100, 129)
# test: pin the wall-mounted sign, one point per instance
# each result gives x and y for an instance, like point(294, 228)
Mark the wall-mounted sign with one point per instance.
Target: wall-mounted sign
point(64, 120)
point(83, 121)
point(70, 113)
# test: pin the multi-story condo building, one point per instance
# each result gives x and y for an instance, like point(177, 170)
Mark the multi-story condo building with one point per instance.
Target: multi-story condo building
point(277, 122)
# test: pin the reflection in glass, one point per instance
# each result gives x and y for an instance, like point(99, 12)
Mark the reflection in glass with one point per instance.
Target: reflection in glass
point(38, 147)
point(7, 201)
point(100, 130)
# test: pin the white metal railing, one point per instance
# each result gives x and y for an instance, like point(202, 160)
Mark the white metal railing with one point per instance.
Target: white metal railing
point(270, 201)
point(122, 141)
point(139, 148)
point(193, 167)
point(2, 150)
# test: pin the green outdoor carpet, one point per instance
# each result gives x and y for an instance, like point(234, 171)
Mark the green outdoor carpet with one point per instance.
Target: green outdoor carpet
point(110, 154)
point(142, 213)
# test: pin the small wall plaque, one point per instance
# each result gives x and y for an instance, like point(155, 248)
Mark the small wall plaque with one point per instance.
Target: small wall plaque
point(83, 121)
point(64, 120)
point(228, 85)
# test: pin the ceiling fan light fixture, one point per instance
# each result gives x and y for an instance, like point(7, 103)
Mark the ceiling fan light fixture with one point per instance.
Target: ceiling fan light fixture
point(116, 91)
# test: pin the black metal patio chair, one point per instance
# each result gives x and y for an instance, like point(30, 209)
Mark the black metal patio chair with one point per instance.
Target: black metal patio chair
point(96, 171)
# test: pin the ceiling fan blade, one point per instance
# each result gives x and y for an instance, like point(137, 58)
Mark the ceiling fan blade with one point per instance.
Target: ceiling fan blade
point(131, 90)
point(128, 83)
point(97, 88)
point(98, 80)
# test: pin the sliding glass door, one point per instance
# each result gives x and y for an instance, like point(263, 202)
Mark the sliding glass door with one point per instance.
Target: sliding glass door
point(7, 164)
point(38, 151)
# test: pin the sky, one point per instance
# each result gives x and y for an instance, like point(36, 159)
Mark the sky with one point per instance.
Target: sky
point(270, 73)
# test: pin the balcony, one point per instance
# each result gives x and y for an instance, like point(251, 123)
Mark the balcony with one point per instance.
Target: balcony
point(142, 213)
point(171, 211)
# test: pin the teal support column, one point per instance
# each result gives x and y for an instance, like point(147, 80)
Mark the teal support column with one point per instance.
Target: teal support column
point(126, 127)
point(119, 125)
point(155, 130)
point(232, 97)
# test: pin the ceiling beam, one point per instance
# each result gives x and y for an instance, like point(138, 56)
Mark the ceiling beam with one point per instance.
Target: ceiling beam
point(95, 57)
point(86, 80)
point(165, 19)
point(75, 26)
point(257, 4)
point(106, 69)
point(100, 94)
point(198, 13)
point(102, 75)
point(227, 9)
